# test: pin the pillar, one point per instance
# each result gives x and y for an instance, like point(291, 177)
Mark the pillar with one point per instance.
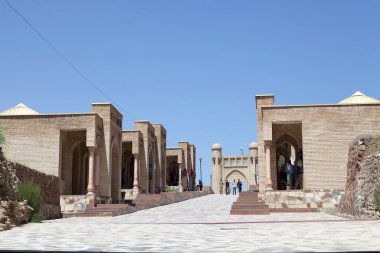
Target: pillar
point(135, 175)
point(97, 172)
point(180, 178)
point(90, 187)
point(267, 165)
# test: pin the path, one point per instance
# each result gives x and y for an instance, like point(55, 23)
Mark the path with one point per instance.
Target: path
point(202, 224)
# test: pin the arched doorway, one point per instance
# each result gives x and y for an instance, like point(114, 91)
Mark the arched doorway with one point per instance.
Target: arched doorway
point(287, 151)
point(237, 175)
point(173, 173)
point(79, 169)
point(127, 171)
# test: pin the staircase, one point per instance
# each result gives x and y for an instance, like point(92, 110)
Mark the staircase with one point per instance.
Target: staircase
point(142, 201)
point(107, 210)
point(248, 204)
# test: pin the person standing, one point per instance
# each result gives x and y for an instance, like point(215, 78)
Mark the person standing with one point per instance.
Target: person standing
point(221, 186)
point(227, 187)
point(239, 185)
point(200, 185)
point(290, 175)
point(234, 187)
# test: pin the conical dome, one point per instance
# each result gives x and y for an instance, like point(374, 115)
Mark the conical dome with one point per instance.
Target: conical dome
point(359, 98)
point(19, 109)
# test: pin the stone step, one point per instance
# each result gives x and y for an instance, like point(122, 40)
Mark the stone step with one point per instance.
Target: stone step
point(251, 206)
point(247, 200)
point(293, 210)
point(249, 212)
point(249, 193)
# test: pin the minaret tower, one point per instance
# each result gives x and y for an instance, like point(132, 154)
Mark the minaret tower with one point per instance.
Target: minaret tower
point(216, 167)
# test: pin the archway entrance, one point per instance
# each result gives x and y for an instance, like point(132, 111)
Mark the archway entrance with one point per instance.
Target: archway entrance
point(172, 171)
point(288, 149)
point(80, 169)
point(127, 167)
point(237, 175)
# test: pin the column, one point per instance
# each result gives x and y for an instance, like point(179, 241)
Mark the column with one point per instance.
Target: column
point(90, 187)
point(135, 174)
point(180, 178)
point(267, 164)
point(97, 172)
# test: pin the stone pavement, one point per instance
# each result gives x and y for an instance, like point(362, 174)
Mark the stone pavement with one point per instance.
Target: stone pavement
point(202, 224)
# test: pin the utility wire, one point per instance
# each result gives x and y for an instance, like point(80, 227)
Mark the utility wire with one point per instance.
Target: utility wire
point(64, 58)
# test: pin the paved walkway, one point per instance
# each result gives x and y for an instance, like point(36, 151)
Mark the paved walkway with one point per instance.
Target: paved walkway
point(201, 224)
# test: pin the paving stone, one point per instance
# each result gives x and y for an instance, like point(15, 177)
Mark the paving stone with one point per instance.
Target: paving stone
point(201, 224)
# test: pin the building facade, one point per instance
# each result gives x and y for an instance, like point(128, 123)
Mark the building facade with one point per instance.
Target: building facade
point(93, 157)
point(181, 167)
point(315, 138)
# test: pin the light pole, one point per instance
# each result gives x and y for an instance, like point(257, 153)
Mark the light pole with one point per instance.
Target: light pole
point(242, 153)
point(200, 167)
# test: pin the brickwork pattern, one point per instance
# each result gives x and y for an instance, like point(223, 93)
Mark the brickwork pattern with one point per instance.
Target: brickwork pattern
point(327, 131)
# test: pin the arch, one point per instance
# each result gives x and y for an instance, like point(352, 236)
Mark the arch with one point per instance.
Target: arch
point(238, 172)
point(173, 173)
point(79, 168)
point(127, 169)
point(236, 175)
point(288, 138)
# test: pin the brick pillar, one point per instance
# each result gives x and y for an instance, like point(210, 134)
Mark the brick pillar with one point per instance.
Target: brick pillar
point(180, 178)
point(136, 169)
point(90, 187)
point(267, 164)
point(97, 172)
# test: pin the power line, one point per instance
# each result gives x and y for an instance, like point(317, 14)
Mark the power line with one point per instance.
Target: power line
point(64, 58)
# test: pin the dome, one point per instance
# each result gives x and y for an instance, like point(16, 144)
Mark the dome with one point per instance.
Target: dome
point(359, 98)
point(253, 145)
point(216, 146)
point(19, 109)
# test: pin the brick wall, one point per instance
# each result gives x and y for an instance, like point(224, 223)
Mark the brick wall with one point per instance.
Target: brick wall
point(49, 187)
point(327, 131)
point(34, 140)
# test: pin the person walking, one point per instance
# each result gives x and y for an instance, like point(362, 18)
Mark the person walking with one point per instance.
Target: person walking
point(239, 185)
point(227, 187)
point(200, 185)
point(221, 186)
point(234, 187)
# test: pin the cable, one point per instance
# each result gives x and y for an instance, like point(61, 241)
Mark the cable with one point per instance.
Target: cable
point(65, 59)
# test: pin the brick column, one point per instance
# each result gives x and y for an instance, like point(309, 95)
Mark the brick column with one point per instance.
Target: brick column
point(136, 169)
point(268, 144)
point(90, 187)
point(97, 172)
point(180, 178)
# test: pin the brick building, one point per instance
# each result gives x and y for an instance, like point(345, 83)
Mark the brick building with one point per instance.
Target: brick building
point(93, 157)
point(315, 138)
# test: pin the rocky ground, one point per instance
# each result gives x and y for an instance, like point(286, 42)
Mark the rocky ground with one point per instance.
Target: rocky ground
point(12, 211)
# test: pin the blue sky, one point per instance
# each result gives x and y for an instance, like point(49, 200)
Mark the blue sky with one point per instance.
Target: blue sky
point(194, 66)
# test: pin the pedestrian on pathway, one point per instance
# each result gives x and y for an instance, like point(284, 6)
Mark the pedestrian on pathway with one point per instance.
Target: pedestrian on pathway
point(239, 185)
point(227, 187)
point(200, 185)
point(234, 187)
point(221, 186)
